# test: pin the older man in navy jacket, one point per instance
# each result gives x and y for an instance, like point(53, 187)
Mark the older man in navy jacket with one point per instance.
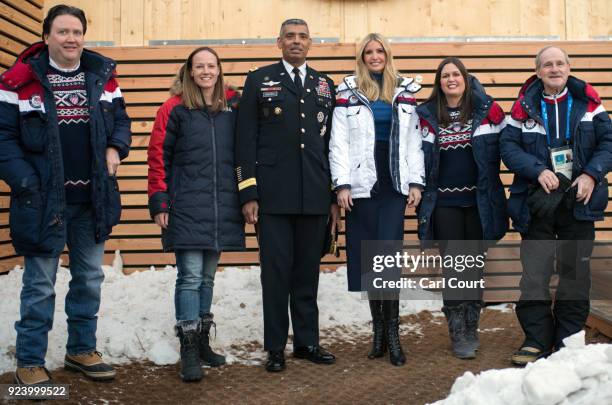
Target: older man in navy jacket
point(63, 132)
point(559, 146)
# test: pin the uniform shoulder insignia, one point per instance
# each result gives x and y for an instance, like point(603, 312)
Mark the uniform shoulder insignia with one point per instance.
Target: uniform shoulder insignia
point(254, 68)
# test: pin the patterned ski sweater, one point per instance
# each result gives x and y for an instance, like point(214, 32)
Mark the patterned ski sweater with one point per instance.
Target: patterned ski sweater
point(70, 94)
point(458, 171)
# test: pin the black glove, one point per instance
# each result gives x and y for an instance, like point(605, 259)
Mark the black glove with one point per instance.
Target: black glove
point(544, 205)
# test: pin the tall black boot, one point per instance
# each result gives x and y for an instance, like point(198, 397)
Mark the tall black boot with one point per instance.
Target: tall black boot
point(191, 370)
point(379, 341)
point(455, 317)
point(209, 358)
point(472, 317)
point(391, 315)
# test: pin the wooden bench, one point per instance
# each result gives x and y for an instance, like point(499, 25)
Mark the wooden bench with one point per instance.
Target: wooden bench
point(145, 74)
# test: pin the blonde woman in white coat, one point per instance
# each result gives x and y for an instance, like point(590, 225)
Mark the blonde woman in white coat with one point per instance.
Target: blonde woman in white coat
point(377, 169)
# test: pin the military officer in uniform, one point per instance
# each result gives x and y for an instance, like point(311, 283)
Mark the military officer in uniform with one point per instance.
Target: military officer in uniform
point(284, 183)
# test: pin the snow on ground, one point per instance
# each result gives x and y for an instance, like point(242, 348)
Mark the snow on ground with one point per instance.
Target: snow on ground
point(577, 374)
point(136, 321)
point(503, 308)
point(136, 317)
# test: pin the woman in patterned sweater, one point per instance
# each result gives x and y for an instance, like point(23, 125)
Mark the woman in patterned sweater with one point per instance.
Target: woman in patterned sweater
point(464, 202)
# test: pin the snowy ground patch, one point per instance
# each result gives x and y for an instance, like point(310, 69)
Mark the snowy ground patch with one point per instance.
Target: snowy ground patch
point(136, 317)
point(578, 374)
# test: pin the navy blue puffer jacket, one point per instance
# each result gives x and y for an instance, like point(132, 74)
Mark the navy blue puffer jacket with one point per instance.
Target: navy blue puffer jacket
point(31, 159)
point(191, 176)
point(488, 121)
point(524, 148)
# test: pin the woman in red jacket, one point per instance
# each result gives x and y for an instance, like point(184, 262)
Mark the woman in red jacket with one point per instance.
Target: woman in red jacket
point(193, 197)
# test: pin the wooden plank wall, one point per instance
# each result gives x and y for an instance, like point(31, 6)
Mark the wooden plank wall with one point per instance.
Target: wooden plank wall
point(146, 72)
point(136, 22)
point(20, 25)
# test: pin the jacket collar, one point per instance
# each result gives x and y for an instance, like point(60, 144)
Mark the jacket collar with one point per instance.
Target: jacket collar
point(310, 81)
point(289, 68)
point(556, 98)
point(533, 88)
point(284, 77)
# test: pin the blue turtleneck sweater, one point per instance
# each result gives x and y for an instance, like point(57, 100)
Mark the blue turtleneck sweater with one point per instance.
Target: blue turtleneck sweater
point(382, 114)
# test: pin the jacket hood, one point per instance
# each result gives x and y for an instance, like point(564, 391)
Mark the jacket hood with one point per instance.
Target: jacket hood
point(21, 72)
point(479, 94)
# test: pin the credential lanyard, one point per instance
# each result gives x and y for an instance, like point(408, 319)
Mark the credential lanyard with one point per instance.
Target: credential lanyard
point(570, 101)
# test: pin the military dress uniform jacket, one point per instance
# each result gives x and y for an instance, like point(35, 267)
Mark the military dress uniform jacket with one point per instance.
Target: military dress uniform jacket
point(282, 142)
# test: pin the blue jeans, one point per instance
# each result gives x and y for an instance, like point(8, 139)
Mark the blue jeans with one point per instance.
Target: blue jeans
point(194, 283)
point(83, 298)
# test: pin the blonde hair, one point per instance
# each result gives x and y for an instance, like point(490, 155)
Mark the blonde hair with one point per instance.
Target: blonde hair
point(365, 82)
point(183, 85)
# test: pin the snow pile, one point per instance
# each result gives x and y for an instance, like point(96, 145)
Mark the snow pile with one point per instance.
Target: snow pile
point(576, 374)
point(136, 317)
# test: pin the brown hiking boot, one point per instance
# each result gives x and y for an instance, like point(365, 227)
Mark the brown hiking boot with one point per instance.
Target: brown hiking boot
point(90, 364)
point(527, 354)
point(32, 376)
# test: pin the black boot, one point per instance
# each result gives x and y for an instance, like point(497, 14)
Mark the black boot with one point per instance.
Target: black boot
point(209, 358)
point(391, 316)
point(379, 341)
point(455, 317)
point(191, 370)
point(472, 316)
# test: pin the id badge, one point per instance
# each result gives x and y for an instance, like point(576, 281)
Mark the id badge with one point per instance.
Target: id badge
point(562, 160)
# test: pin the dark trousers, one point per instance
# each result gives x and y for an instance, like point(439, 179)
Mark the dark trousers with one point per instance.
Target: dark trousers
point(290, 254)
point(459, 232)
point(571, 241)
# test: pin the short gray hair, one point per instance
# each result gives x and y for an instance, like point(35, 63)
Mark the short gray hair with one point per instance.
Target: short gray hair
point(538, 58)
point(291, 21)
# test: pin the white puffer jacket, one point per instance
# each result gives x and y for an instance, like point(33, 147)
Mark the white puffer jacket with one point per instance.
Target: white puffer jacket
point(351, 147)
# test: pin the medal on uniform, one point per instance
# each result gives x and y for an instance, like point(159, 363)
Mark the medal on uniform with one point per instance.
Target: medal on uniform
point(278, 110)
point(320, 116)
point(323, 88)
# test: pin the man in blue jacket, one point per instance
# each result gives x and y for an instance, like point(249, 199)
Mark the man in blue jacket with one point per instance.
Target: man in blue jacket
point(558, 144)
point(63, 133)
